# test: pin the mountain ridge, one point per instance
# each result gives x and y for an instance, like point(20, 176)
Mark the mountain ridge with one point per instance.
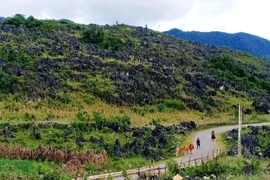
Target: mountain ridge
point(238, 41)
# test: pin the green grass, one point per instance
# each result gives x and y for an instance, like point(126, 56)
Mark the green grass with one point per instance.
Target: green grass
point(27, 169)
point(225, 166)
point(251, 177)
point(119, 164)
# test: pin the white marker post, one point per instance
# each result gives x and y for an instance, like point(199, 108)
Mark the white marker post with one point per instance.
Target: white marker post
point(239, 130)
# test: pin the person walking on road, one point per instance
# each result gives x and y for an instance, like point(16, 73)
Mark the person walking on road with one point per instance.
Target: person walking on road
point(213, 136)
point(198, 142)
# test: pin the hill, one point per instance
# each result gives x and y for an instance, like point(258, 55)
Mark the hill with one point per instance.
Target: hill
point(72, 64)
point(239, 41)
point(97, 98)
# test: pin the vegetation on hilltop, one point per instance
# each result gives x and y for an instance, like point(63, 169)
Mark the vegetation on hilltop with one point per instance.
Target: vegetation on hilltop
point(239, 41)
point(123, 65)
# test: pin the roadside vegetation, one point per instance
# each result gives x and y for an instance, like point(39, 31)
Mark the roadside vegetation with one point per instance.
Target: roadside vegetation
point(251, 165)
point(27, 169)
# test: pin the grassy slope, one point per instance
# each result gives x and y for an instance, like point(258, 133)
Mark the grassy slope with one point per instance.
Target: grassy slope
point(68, 114)
point(27, 169)
point(16, 110)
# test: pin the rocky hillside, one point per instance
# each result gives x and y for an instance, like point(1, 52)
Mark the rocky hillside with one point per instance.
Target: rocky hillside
point(239, 41)
point(125, 66)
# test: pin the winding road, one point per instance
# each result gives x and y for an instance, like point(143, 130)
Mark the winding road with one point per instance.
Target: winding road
point(207, 148)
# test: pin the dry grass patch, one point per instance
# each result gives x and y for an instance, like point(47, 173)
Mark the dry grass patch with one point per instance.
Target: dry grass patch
point(24, 111)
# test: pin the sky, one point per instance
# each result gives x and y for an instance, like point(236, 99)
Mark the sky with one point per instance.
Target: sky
point(229, 16)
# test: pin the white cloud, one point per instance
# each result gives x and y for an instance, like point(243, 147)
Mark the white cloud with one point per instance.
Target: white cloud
point(201, 15)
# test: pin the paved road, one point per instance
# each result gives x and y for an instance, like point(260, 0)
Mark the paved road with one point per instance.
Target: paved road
point(207, 148)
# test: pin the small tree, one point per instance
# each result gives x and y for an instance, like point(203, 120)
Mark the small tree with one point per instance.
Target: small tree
point(94, 35)
point(16, 20)
point(31, 22)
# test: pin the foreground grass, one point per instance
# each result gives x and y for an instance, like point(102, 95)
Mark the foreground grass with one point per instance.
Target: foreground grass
point(117, 164)
point(252, 177)
point(27, 169)
point(225, 166)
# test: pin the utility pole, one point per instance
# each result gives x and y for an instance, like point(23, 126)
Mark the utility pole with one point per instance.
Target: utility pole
point(239, 130)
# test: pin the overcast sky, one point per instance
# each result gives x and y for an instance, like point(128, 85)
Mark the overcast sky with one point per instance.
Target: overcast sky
point(230, 16)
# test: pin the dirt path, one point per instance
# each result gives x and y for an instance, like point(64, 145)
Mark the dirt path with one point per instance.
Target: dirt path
point(207, 148)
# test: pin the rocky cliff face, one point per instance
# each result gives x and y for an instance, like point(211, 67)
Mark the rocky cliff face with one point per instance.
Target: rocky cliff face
point(52, 59)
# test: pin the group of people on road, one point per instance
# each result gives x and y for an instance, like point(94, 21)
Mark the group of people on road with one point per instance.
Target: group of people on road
point(198, 143)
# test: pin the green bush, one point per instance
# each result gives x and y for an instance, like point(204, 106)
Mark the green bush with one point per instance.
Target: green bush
point(6, 82)
point(99, 119)
point(66, 99)
point(173, 168)
point(83, 116)
point(121, 120)
point(171, 105)
point(50, 115)
point(96, 35)
point(18, 97)
point(112, 43)
point(31, 22)
point(155, 121)
point(93, 35)
point(88, 99)
point(17, 20)
point(29, 117)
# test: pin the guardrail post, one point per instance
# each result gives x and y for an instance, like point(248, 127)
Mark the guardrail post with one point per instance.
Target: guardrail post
point(180, 165)
point(213, 154)
point(139, 172)
point(158, 171)
point(189, 160)
point(195, 161)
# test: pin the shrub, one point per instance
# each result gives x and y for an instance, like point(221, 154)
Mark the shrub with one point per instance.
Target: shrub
point(16, 20)
point(66, 99)
point(83, 116)
point(6, 82)
point(173, 168)
point(29, 117)
point(112, 43)
point(171, 105)
point(99, 120)
point(94, 35)
point(88, 99)
point(31, 22)
point(50, 115)
point(155, 121)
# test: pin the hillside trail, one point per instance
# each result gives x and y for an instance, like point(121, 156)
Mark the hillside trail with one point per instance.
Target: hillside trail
point(208, 146)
